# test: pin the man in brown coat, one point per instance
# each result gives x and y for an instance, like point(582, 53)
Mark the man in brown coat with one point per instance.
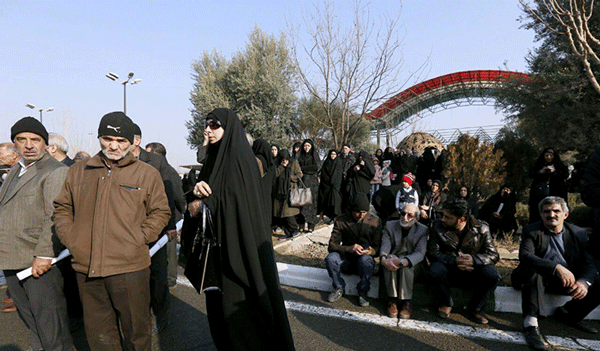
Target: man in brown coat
point(27, 238)
point(354, 242)
point(110, 207)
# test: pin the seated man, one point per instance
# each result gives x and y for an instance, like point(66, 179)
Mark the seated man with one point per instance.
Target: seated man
point(553, 258)
point(403, 248)
point(354, 241)
point(461, 252)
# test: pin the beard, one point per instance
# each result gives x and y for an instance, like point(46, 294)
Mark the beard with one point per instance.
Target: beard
point(408, 224)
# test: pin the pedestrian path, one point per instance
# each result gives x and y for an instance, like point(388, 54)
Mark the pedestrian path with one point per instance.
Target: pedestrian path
point(440, 328)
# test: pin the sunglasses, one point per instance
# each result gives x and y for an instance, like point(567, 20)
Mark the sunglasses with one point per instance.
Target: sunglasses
point(213, 124)
point(407, 214)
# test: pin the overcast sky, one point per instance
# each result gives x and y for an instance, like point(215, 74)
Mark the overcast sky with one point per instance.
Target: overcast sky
point(56, 54)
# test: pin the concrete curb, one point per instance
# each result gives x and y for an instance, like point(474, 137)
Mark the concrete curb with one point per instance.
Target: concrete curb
point(507, 298)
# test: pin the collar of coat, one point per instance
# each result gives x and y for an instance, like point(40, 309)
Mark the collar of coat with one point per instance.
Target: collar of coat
point(98, 162)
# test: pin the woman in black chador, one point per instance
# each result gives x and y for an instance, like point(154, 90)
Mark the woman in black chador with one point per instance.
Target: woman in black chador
point(244, 302)
point(330, 196)
point(360, 175)
point(309, 163)
point(549, 176)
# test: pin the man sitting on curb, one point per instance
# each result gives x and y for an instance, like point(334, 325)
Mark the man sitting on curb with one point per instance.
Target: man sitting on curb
point(461, 252)
point(403, 247)
point(553, 257)
point(354, 241)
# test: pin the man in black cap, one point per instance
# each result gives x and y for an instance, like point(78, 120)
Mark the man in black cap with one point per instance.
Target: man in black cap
point(354, 242)
point(27, 238)
point(108, 211)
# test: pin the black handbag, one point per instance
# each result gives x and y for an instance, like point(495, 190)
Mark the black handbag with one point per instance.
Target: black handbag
point(301, 196)
point(204, 264)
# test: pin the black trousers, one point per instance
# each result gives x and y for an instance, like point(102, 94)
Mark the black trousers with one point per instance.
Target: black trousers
point(533, 301)
point(160, 298)
point(289, 225)
point(42, 307)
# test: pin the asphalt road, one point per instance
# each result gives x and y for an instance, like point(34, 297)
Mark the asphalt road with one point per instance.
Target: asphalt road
point(319, 325)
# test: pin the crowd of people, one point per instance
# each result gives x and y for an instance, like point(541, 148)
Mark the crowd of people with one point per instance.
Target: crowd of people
point(391, 207)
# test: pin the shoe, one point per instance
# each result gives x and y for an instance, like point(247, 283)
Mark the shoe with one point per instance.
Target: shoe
point(444, 311)
point(335, 295)
point(562, 315)
point(3, 287)
point(479, 317)
point(406, 311)
point(11, 308)
point(534, 338)
point(8, 300)
point(363, 300)
point(295, 234)
point(392, 310)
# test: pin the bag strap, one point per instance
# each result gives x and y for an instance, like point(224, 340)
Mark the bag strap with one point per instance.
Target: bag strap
point(301, 183)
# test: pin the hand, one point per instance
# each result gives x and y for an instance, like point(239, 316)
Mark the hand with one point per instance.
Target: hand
point(362, 162)
point(40, 266)
point(579, 290)
point(172, 234)
point(496, 214)
point(389, 264)
point(424, 214)
point(205, 143)
point(405, 262)
point(285, 162)
point(357, 249)
point(194, 207)
point(368, 251)
point(465, 262)
point(357, 168)
point(566, 277)
point(202, 189)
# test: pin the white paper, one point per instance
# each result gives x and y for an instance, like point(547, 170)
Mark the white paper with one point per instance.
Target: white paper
point(26, 273)
point(500, 207)
point(179, 225)
point(159, 244)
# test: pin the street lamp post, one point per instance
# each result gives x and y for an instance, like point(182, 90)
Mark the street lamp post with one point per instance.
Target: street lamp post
point(114, 77)
point(49, 109)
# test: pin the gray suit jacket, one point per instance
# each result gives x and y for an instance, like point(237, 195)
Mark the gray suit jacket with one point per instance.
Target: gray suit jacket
point(416, 241)
point(26, 229)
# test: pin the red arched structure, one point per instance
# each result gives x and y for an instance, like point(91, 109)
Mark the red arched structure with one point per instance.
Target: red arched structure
point(447, 91)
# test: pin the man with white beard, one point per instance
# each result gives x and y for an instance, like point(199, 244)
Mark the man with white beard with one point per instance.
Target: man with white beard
point(403, 248)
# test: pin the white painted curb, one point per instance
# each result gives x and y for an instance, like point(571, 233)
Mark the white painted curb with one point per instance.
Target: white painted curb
point(507, 298)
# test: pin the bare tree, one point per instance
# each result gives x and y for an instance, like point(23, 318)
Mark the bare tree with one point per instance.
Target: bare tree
point(573, 18)
point(355, 67)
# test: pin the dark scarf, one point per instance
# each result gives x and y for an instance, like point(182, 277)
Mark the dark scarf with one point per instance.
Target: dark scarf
point(262, 150)
point(283, 182)
point(331, 170)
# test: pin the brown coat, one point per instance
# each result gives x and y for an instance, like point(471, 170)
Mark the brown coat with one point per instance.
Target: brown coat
point(25, 213)
point(106, 217)
point(287, 210)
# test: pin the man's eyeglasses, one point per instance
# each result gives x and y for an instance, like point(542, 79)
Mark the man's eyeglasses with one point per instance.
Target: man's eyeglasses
point(213, 124)
point(407, 214)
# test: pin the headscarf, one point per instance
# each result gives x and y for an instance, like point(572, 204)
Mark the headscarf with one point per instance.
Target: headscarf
point(277, 159)
point(262, 150)
point(283, 182)
point(294, 153)
point(309, 162)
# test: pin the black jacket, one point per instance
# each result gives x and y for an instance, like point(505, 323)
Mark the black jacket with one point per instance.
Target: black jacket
point(534, 245)
point(444, 246)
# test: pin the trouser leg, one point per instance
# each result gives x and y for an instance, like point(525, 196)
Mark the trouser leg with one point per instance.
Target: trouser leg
point(131, 299)
point(438, 273)
point(406, 277)
point(335, 264)
point(99, 317)
point(159, 287)
point(42, 306)
point(486, 278)
point(365, 265)
point(289, 225)
point(532, 296)
point(391, 282)
point(172, 262)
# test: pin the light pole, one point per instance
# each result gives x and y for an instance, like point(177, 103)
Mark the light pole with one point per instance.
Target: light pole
point(114, 77)
point(49, 109)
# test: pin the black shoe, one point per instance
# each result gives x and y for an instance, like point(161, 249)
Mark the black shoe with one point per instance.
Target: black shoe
point(335, 295)
point(363, 300)
point(478, 316)
point(562, 315)
point(534, 338)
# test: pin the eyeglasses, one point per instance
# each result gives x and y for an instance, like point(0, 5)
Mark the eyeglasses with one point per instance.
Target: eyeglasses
point(213, 124)
point(407, 214)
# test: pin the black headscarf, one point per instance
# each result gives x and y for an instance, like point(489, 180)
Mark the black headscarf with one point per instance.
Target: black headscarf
point(277, 159)
point(262, 150)
point(309, 161)
point(294, 153)
point(283, 182)
point(242, 228)
point(331, 171)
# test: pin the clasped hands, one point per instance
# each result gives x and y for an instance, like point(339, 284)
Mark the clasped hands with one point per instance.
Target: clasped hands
point(578, 289)
point(359, 250)
point(394, 263)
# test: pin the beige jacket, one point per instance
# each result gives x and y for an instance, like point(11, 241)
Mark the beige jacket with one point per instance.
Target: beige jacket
point(25, 213)
point(106, 217)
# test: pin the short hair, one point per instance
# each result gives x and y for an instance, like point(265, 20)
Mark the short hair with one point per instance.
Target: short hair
point(9, 146)
point(457, 207)
point(81, 155)
point(551, 200)
point(157, 148)
point(59, 141)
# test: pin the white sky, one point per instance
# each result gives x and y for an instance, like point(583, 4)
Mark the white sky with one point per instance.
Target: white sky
point(56, 54)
